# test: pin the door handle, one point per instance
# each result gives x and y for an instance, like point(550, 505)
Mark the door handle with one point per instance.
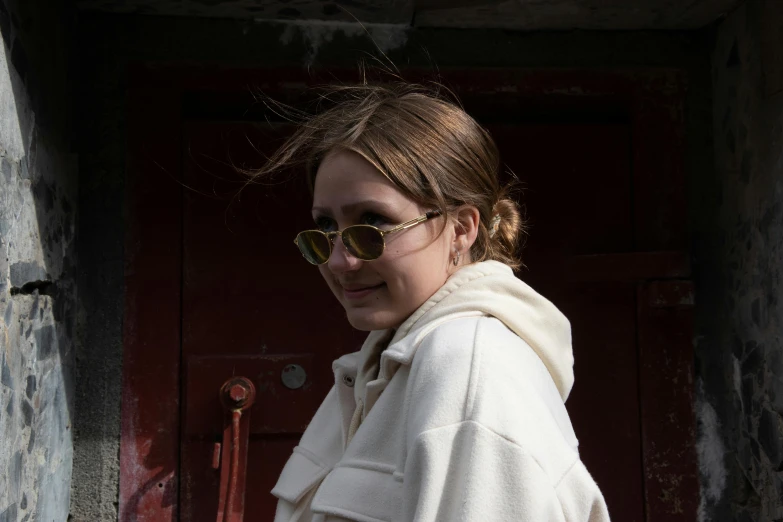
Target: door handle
point(237, 395)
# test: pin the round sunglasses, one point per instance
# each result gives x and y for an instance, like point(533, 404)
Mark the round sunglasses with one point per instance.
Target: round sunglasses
point(364, 242)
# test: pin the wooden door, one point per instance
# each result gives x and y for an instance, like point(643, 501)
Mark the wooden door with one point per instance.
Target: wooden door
point(252, 305)
point(215, 287)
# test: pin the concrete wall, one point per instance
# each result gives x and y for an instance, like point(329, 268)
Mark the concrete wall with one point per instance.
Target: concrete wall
point(108, 43)
point(738, 248)
point(37, 263)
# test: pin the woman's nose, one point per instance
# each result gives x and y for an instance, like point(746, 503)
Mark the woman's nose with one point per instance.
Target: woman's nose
point(341, 260)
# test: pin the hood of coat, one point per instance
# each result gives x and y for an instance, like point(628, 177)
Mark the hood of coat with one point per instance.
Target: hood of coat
point(490, 288)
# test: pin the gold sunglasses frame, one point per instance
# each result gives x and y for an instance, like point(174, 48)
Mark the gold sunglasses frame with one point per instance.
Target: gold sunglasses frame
point(330, 236)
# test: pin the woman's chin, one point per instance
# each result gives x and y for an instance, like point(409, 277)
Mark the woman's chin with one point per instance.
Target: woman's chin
point(368, 320)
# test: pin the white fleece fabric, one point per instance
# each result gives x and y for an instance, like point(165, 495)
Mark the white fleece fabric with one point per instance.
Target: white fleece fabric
point(465, 420)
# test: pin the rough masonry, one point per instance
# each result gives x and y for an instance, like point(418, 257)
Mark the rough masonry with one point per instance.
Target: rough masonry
point(37, 272)
point(738, 254)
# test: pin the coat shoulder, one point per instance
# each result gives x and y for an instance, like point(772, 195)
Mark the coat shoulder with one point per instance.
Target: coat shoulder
point(477, 369)
point(483, 348)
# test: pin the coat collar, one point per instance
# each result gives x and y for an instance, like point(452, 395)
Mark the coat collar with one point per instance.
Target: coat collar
point(407, 338)
point(410, 334)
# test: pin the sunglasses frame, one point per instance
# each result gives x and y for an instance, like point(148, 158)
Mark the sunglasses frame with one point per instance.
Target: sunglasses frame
point(330, 236)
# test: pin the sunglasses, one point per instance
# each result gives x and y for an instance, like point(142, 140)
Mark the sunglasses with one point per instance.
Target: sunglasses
point(364, 242)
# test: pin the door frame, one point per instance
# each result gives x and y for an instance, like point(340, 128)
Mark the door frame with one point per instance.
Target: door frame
point(653, 100)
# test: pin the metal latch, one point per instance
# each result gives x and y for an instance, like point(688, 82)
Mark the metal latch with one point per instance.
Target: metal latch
point(237, 395)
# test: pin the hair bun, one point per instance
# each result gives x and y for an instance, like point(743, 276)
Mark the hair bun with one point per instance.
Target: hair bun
point(505, 229)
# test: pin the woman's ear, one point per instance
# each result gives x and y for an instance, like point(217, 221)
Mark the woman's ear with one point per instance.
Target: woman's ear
point(465, 230)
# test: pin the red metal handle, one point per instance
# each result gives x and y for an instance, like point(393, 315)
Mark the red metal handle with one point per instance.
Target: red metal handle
point(237, 396)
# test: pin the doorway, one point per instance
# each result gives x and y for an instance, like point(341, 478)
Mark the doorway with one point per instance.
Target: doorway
point(603, 237)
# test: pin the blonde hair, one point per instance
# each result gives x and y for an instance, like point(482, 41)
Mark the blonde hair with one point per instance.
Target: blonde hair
point(431, 149)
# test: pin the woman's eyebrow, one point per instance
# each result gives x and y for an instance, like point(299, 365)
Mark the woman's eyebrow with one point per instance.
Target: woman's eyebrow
point(372, 204)
point(353, 207)
point(322, 211)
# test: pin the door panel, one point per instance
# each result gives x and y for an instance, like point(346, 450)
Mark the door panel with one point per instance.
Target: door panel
point(252, 305)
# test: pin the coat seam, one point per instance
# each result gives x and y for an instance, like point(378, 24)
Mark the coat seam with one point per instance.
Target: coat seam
point(498, 435)
point(475, 373)
point(471, 422)
point(467, 484)
point(566, 472)
point(310, 455)
point(326, 509)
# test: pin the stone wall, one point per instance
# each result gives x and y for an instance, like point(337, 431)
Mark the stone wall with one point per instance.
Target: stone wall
point(37, 263)
point(738, 251)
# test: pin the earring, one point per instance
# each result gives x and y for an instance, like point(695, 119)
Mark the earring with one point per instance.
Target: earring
point(456, 258)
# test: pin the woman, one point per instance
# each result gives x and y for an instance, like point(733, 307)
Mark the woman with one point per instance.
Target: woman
point(453, 408)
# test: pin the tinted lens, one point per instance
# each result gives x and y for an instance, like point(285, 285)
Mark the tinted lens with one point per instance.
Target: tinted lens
point(314, 246)
point(363, 242)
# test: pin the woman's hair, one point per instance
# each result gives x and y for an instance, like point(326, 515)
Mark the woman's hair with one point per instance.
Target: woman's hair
point(431, 149)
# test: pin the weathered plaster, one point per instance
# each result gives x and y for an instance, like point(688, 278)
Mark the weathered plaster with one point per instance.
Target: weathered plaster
point(710, 451)
point(37, 278)
point(368, 11)
point(738, 223)
point(580, 14)
point(316, 33)
point(507, 14)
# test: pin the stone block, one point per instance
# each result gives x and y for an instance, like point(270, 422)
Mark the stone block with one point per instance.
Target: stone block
point(770, 437)
point(25, 272)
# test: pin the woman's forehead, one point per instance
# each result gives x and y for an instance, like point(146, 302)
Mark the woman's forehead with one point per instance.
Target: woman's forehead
point(345, 179)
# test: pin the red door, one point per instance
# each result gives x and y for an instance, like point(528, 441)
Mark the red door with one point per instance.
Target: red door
point(253, 307)
point(215, 288)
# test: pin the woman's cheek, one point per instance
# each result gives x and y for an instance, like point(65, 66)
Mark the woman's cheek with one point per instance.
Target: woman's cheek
point(329, 280)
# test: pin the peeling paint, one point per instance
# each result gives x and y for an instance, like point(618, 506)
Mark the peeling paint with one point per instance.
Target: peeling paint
point(316, 33)
point(737, 379)
point(711, 453)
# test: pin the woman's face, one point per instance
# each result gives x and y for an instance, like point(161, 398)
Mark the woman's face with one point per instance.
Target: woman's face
point(382, 293)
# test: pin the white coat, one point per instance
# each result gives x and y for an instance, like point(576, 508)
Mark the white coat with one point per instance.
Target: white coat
point(464, 422)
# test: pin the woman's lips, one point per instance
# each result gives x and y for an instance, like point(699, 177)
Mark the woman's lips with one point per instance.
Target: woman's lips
point(356, 292)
